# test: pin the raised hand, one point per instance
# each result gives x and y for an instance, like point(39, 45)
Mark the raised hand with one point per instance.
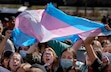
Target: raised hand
point(8, 34)
point(107, 27)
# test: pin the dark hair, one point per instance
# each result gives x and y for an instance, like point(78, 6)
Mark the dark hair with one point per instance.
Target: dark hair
point(109, 21)
point(7, 55)
point(69, 42)
point(11, 17)
point(105, 42)
point(104, 20)
point(5, 19)
point(1, 37)
point(72, 51)
point(38, 66)
point(99, 55)
point(40, 45)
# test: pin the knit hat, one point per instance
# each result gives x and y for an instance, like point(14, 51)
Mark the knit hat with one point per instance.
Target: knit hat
point(7, 54)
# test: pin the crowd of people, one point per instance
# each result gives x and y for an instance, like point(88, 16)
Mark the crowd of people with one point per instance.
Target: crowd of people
point(54, 55)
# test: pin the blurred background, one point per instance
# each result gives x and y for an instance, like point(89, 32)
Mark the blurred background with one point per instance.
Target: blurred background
point(91, 9)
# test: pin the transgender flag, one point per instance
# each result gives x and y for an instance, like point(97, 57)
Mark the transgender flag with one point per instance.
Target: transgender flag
point(52, 23)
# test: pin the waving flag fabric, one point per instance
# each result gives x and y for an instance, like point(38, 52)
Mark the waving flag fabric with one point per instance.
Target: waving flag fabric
point(51, 23)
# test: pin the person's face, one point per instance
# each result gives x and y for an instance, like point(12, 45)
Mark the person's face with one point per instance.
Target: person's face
point(109, 49)
point(105, 60)
point(67, 60)
point(48, 57)
point(105, 50)
point(11, 24)
point(67, 55)
point(5, 24)
point(20, 70)
point(5, 62)
point(12, 21)
point(15, 62)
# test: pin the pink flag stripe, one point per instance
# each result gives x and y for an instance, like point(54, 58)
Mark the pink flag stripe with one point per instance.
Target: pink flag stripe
point(30, 24)
point(58, 27)
point(27, 22)
point(96, 32)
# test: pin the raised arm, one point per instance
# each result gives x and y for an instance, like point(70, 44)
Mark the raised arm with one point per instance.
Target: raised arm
point(32, 48)
point(87, 43)
point(3, 42)
point(77, 45)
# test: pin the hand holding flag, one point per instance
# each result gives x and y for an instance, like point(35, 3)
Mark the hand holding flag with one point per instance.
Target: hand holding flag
point(52, 23)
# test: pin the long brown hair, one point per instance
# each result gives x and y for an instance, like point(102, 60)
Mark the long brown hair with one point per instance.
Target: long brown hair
point(55, 62)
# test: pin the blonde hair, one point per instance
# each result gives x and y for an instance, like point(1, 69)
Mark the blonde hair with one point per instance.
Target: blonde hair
point(97, 45)
point(55, 62)
point(34, 70)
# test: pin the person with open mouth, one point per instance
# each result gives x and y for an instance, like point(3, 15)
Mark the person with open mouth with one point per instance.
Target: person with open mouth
point(49, 60)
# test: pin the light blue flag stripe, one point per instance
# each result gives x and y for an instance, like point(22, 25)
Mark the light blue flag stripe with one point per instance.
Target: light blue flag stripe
point(77, 22)
point(22, 39)
point(73, 38)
